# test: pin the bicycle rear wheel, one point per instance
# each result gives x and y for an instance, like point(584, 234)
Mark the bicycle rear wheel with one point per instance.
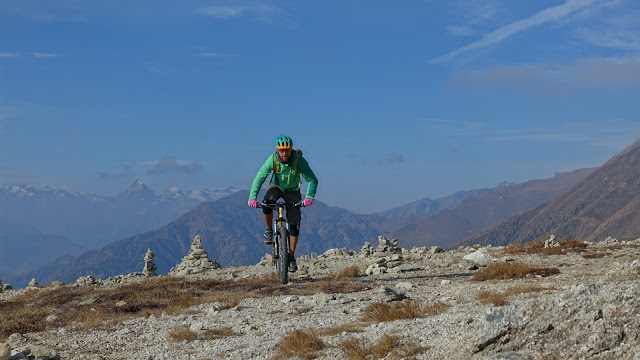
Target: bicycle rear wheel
point(283, 255)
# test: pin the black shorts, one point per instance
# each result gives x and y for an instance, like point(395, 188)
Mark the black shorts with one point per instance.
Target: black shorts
point(274, 192)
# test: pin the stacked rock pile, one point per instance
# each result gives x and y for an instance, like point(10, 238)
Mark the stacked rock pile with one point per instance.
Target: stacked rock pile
point(551, 242)
point(386, 256)
point(87, 281)
point(33, 284)
point(196, 262)
point(150, 268)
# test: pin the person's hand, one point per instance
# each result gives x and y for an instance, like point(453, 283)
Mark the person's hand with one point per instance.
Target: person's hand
point(253, 203)
point(307, 202)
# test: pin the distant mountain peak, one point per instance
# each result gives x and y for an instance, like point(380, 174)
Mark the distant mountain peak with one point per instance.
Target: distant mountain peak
point(502, 185)
point(172, 194)
point(138, 191)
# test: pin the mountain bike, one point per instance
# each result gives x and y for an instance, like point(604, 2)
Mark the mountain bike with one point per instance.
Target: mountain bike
point(281, 251)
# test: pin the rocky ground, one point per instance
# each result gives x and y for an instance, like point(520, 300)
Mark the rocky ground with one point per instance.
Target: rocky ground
point(589, 310)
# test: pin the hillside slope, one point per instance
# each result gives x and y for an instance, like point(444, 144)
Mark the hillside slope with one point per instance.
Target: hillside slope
point(605, 203)
point(481, 212)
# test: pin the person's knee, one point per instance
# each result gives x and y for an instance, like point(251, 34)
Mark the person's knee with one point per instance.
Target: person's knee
point(267, 210)
point(294, 230)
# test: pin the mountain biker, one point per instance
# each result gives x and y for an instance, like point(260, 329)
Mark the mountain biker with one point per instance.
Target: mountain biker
point(287, 166)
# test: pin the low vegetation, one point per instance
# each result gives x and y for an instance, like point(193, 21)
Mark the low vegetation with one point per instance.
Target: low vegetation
point(387, 347)
point(183, 334)
point(305, 344)
point(537, 247)
point(353, 327)
point(98, 306)
point(511, 270)
point(349, 272)
point(501, 298)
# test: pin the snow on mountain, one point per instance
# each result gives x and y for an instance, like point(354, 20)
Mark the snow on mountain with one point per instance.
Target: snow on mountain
point(172, 194)
point(137, 191)
point(208, 195)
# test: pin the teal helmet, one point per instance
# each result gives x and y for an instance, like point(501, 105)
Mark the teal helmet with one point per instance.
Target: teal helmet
point(284, 142)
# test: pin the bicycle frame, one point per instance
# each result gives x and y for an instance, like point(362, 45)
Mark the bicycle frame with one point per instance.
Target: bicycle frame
point(281, 244)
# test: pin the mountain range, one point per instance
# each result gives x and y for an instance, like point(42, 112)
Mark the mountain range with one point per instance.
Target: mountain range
point(231, 231)
point(605, 203)
point(44, 223)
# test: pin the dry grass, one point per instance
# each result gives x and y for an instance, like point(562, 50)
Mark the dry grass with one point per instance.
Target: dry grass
point(501, 271)
point(218, 333)
point(387, 347)
point(490, 297)
point(382, 312)
point(537, 247)
point(352, 327)
point(501, 298)
point(349, 272)
point(90, 307)
point(183, 334)
point(305, 344)
point(511, 270)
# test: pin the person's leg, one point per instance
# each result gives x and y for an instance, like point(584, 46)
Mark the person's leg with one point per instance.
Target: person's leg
point(293, 216)
point(294, 231)
point(268, 220)
point(272, 195)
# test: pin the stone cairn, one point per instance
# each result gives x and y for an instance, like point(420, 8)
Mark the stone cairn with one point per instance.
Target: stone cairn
point(551, 242)
point(150, 268)
point(196, 262)
point(386, 256)
point(33, 284)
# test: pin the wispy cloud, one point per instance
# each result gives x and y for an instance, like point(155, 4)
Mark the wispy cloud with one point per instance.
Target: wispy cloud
point(538, 137)
point(125, 171)
point(391, 159)
point(554, 78)
point(44, 55)
point(460, 30)
point(213, 54)
point(614, 39)
point(11, 54)
point(450, 126)
point(611, 133)
point(170, 164)
point(544, 16)
point(261, 12)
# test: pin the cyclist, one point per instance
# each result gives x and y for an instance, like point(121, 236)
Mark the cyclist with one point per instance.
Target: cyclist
point(287, 166)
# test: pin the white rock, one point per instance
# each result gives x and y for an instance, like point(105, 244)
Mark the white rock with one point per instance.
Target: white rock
point(405, 285)
point(479, 258)
point(290, 299)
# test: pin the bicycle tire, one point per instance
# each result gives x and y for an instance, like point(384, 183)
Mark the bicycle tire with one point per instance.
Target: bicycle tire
point(283, 255)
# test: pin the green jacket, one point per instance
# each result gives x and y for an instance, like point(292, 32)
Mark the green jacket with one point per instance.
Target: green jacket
point(286, 178)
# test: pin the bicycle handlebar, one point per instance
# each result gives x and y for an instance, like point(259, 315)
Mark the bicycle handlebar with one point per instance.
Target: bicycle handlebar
point(275, 205)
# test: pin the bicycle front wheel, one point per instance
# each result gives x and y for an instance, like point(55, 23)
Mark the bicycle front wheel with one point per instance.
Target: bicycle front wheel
point(283, 255)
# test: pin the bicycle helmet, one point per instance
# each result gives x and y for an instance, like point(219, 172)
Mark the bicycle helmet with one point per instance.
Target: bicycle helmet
point(284, 142)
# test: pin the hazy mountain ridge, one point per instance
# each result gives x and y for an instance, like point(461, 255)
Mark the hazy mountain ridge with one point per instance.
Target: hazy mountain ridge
point(231, 233)
point(45, 223)
point(478, 213)
point(605, 203)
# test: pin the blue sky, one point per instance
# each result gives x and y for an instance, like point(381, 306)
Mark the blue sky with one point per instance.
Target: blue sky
point(390, 101)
